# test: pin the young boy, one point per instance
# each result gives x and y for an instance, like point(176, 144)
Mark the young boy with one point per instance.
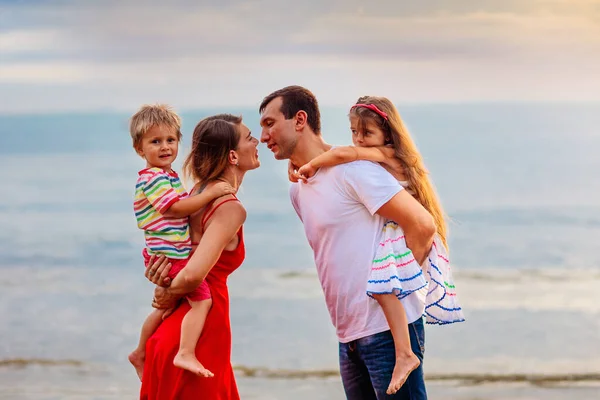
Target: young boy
point(162, 207)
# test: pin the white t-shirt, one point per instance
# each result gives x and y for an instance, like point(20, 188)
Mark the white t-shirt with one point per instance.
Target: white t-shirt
point(337, 208)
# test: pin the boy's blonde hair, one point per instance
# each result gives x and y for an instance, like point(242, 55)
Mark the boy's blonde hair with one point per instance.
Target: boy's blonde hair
point(150, 115)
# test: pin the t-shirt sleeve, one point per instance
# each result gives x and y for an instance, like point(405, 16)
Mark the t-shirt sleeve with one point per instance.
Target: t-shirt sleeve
point(159, 192)
point(370, 184)
point(294, 198)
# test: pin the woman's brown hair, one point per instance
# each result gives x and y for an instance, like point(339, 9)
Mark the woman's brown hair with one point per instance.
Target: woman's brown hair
point(214, 137)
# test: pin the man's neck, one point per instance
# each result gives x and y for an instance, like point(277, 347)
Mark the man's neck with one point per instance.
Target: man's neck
point(312, 146)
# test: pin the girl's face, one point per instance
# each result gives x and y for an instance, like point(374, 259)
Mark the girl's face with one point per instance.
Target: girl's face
point(369, 136)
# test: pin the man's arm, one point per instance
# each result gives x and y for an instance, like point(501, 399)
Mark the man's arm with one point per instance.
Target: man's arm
point(418, 225)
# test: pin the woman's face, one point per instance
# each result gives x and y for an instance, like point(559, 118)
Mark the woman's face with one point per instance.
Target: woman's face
point(247, 150)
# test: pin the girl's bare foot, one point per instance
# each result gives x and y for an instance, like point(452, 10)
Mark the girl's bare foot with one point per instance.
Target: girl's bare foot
point(189, 362)
point(405, 364)
point(136, 358)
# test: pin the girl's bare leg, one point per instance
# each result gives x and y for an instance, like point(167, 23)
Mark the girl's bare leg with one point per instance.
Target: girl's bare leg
point(137, 357)
point(191, 328)
point(406, 360)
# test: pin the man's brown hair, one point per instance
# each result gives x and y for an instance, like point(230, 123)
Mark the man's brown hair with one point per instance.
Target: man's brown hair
point(294, 99)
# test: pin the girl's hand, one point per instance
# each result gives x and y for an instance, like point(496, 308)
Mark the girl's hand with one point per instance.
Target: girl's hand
point(158, 270)
point(293, 175)
point(306, 171)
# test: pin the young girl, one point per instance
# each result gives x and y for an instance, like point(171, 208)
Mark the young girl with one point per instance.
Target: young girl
point(379, 135)
point(162, 207)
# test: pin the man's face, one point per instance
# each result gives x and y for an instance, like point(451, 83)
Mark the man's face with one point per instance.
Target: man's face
point(277, 132)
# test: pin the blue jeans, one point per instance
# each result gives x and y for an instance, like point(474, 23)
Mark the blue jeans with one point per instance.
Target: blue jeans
point(366, 366)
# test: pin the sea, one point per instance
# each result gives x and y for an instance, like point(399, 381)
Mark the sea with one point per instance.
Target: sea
point(520, 183)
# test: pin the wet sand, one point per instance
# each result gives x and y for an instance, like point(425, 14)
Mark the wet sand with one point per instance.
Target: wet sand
point(40, 381)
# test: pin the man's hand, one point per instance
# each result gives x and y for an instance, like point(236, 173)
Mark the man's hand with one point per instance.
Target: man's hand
point(158, 270)
point(164, 299)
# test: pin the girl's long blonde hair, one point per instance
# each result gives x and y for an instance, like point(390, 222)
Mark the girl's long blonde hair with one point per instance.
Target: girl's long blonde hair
point(407, 153)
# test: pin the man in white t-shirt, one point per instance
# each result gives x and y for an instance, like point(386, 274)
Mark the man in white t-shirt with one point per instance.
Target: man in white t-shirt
point(343, 209)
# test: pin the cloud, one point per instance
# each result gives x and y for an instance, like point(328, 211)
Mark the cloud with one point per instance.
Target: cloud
point(489, 49)
point(27, 41)
point(157, 30)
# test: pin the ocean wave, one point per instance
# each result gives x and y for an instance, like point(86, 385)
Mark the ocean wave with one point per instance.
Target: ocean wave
point(26, 362)
point(586, 217)
point(464, 378)
point(268, 373)
point(498, 275)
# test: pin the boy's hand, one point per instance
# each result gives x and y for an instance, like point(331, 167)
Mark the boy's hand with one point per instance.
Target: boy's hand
point(221, 189)
point(306, 171)
point(293, 174)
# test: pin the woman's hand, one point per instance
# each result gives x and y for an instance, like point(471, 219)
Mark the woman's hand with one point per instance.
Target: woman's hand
point(165, 300)
point(158, 270)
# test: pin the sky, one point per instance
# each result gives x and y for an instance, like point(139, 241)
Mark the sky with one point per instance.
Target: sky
point(74, 55)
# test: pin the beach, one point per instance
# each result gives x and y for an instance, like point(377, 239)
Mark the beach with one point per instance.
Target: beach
point(522, 196)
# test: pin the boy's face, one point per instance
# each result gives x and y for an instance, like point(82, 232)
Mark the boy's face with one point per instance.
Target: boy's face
point(159, 147)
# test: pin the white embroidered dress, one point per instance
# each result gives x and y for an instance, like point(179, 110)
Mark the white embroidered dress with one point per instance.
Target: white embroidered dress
point(395, 270)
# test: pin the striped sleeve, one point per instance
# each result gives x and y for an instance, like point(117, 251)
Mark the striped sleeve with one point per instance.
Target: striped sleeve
point(159, 192)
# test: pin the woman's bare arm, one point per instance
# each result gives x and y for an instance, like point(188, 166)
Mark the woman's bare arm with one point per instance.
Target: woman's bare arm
point(220, 229)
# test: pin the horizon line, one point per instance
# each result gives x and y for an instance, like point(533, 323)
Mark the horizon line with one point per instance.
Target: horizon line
point(107, 110)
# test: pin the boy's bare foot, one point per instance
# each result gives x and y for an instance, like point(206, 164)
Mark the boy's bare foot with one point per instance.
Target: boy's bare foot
point(136, 358)
point(189, 362)
point(405, 364)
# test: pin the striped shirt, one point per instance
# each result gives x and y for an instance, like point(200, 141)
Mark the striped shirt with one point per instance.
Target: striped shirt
point(156, 191)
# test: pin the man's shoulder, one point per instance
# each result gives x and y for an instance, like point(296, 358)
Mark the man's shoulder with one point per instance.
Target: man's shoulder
point(353, 166)
point(361, 169)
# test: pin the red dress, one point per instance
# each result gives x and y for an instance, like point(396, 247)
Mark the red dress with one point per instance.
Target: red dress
point(162, 380)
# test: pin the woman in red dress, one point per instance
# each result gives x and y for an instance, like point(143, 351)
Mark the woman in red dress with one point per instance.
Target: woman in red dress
point(222, 150)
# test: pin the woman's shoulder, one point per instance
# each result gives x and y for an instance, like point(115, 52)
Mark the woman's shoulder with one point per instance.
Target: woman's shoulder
point(230, 201)
point(226, 207)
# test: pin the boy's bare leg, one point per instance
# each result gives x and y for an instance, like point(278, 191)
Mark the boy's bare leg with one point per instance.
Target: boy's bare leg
point(150, 325)
point(406, 360)
point(191, 328)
